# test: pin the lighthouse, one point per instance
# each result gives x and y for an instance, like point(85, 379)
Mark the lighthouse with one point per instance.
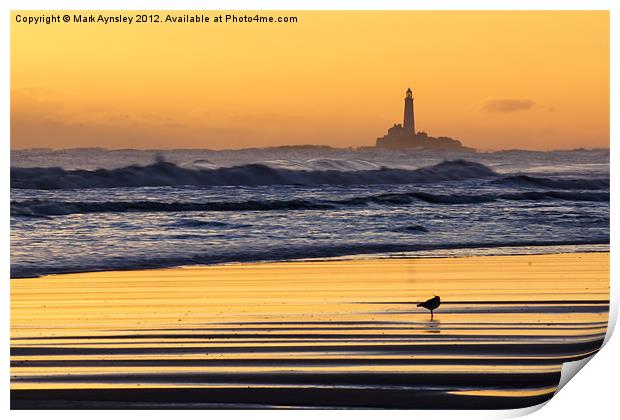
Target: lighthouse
point(404, 136)
point(408, 120)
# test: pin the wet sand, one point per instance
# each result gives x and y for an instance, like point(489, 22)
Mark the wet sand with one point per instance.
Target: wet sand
point(316, 334)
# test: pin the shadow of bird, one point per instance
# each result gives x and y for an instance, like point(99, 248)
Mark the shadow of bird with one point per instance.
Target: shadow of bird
point(431, 304)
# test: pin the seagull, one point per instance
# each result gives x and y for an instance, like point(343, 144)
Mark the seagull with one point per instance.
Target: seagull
point(431, 304)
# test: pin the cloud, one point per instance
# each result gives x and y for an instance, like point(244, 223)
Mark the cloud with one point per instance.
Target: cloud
point(507, 105)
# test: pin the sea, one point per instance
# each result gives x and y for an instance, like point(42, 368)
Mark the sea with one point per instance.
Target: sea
point(82, 210)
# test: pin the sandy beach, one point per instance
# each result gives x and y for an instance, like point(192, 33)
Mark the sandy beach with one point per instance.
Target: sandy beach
point(339, 333)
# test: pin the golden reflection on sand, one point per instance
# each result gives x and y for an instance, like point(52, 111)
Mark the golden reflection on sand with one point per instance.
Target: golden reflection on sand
point(500, 315)
point(507, 393)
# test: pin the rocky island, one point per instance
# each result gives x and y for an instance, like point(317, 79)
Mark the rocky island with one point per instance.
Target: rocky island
point(404, 136)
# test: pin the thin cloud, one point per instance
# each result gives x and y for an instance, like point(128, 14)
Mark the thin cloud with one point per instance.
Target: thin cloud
point(507, 105)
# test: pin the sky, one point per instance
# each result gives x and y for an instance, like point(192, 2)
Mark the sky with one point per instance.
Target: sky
point(494, 80)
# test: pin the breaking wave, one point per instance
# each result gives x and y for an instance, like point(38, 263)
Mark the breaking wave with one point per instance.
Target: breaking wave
point(168, 174)
point(42, 208)
point(562, 184)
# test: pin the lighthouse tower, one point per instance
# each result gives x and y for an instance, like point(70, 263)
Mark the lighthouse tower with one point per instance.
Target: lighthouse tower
point(408, 121)
point(404, 136)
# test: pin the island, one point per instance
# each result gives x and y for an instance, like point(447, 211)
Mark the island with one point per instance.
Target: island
point(404, 136)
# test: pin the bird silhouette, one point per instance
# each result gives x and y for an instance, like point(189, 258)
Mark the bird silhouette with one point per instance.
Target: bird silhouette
point(431, 304)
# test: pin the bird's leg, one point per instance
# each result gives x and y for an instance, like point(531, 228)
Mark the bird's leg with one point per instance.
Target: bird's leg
point(431, 314)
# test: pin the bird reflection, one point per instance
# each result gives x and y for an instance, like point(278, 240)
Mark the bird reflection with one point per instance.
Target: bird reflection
point(432, 327)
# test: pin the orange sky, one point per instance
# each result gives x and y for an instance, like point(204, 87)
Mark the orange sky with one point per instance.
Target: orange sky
point(495, 80)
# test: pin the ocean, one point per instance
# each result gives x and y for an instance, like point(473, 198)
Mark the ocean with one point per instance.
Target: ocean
point(83, 210)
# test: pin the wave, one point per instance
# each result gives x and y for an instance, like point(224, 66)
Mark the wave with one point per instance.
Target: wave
point(413, 229)
point(561, 184)
point(277, 254)
point(168, 174)
point(322, 164)
point(195, 223)
point(42, 208)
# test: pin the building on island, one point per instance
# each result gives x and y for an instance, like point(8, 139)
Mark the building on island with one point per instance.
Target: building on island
point(404, 136)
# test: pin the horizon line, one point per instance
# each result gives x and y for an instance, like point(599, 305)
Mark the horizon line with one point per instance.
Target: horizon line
point(307, 146)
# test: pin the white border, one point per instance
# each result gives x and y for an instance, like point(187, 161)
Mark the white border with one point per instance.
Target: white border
point(311, 5)
point(590, 396)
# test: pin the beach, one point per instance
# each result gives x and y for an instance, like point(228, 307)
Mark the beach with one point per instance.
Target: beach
point(340, 333)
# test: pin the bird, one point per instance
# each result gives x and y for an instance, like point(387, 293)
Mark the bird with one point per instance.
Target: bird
point(431, 304)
